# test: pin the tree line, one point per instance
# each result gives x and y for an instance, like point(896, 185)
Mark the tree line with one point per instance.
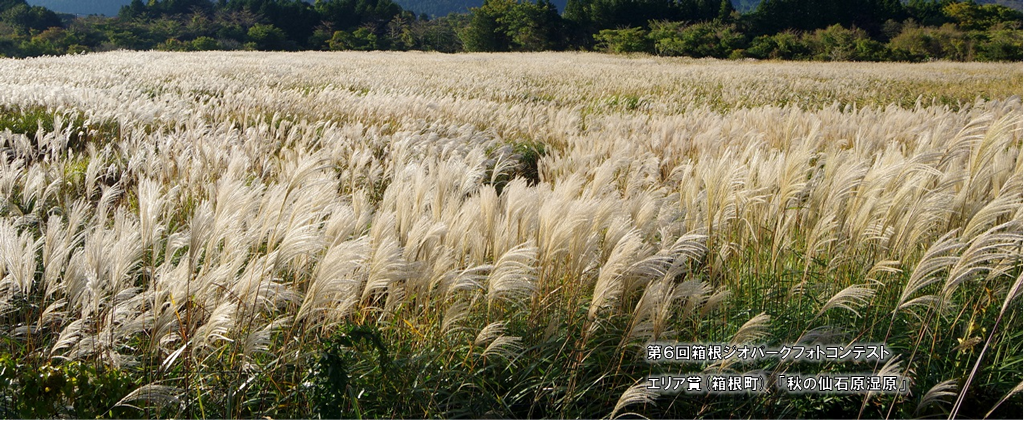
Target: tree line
point(873, 30)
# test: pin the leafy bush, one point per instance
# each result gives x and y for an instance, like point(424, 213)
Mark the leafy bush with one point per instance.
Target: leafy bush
point(174, 44)
point(268, 37)
point(205, 43)
point(835, 43)
point(62, 390)
point(1002, 45)
point(916, 43)
point(782, 46)
point(710, 39)
point(361, 39)
point(335, 375)
point(629, 40)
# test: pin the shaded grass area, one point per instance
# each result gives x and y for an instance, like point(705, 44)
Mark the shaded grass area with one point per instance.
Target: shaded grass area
point(371, 371)
point(37, 121)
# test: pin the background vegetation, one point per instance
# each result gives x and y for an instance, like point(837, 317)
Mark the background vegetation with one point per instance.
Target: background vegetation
point(866, 30)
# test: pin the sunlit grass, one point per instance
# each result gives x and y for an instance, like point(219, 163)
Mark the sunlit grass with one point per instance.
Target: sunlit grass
point(309, 234)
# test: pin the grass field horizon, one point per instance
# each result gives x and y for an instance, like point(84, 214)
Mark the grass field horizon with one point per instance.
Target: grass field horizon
point(421, 235)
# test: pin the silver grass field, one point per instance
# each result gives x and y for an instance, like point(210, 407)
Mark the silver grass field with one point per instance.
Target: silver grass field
point(413, 235)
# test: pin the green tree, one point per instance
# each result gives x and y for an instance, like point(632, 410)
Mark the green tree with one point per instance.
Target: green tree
point(1001, 44)
point(577, 27)
point(27, 18)
point(350, 14)
point(532, 26)
point(267, 37)
point(971, 16)
point(174, 44)
point(53, 41)
point(917, 43)
point(708, 39)
point(205, 43)
point(928, 12)
point(835, 42)
point(441, 34)
point(295, 18)
point(725, 11)
point(772, 16)
point(577, 11)
point(362, 39)
point(134, 10)
point(7, 4)
point(399, 35)
point(485, 32)
point(785, 45)
point(629, 40)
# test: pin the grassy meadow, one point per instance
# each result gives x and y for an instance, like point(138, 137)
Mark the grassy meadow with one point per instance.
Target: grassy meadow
point(416, 235)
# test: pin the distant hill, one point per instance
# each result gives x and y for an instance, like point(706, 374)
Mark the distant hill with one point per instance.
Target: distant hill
point(1014, 4)
point(110, 7)
point(82, 7)
point(430, 7)
point(745, 6)
point(748, 5)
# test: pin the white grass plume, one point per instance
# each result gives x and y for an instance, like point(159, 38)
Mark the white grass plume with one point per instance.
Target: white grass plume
point(940, 256)
point(651, 317)
point(152, 395)
point(454, 316)
point(636, 394)
point(259, 340)
point(850, 298)
point(609, 282)
point(1014, 390)
point(386, 266)
point(337, 282)
point(18, 257)
point(752, 331)
point(514, 276)
point(940, 393)
point(983, 253)
point(497, 343)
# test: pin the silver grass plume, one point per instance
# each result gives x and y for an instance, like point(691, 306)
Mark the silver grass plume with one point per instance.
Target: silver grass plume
point(940, 256)
point(636, 394)
point(940, 393)
point(850, 298)
point(514, 276)
point(609, 282)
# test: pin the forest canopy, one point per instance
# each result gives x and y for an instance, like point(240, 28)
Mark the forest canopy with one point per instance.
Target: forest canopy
point(868, 30)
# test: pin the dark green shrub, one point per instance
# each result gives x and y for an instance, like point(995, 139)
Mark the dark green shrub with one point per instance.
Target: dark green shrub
point(700, 40)
point(782, 46)
point(629, 40)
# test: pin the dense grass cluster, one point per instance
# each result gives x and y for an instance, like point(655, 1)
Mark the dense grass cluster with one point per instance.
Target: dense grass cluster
point(309, 234)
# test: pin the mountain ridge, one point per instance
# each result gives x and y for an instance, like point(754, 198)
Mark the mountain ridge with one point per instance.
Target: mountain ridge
point(434, 8)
